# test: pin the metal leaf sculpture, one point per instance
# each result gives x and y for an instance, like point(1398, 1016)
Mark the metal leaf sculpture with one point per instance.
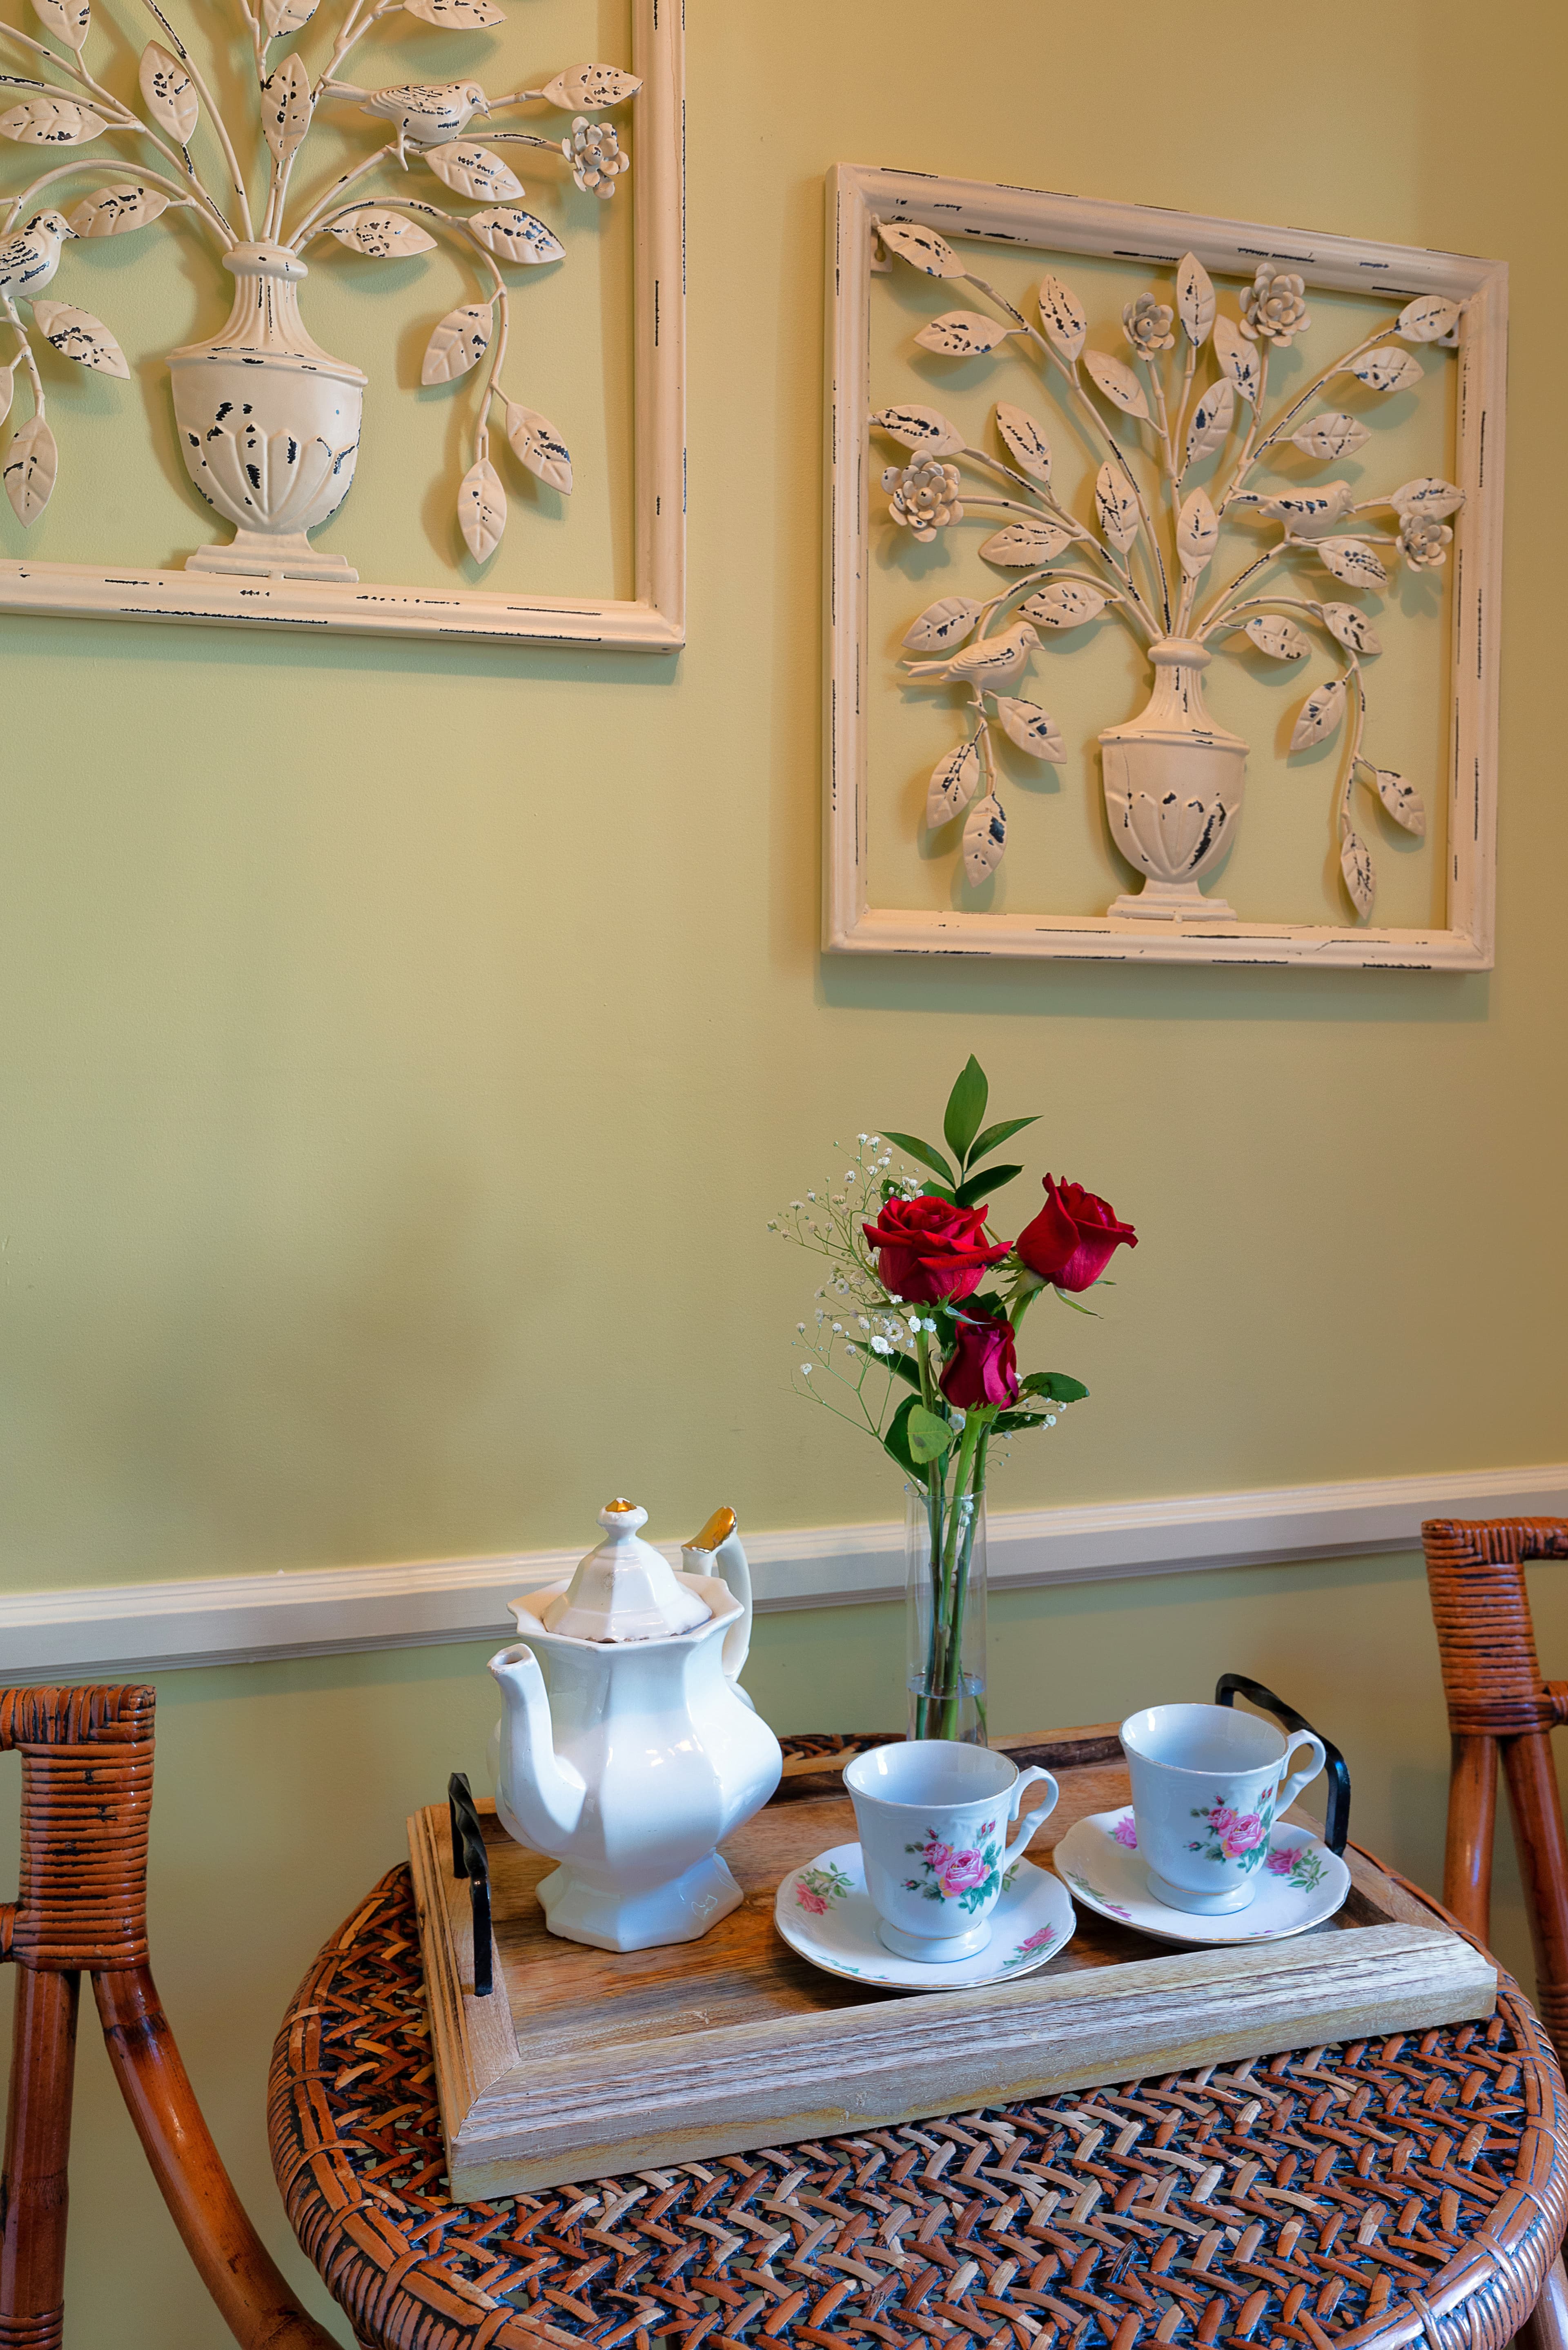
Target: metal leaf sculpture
point(459, 343)
point(77, 334)
point(51, 122)
point(1149, 554)
point(943, 625)
point(29, 468)
point(1402, 800)
point(269, 423)
point(920, 246)
point(514, 235)
point(1025, 439)
point(1024, 545)
point(955, 779)
point(1321, 713)
point(69, 20)
point(962, 334)
point(383, 235)
point(113, 211)
point(482, 509)
point(1025, 724)
point(1335, 435)
point(475, 172)
point(1281, 639)
point(168, 94)
point(536, 445)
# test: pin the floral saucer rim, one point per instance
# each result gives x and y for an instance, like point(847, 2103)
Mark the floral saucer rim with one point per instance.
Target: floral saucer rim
point(1097, 1858)
point(1032, 1899)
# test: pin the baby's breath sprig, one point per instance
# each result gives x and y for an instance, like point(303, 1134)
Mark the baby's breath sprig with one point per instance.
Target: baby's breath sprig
point(857, 1330)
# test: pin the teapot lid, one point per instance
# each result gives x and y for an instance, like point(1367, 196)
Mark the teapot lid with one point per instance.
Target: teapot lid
point(625, 1590)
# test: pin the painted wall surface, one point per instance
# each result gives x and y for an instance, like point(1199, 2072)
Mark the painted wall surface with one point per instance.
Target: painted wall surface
point(403, 1049)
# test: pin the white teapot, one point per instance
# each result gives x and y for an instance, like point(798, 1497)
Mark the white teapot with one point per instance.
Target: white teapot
point(627, 1750)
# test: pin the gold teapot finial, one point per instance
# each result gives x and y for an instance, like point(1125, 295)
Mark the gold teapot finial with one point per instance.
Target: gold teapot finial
point(620, 1504)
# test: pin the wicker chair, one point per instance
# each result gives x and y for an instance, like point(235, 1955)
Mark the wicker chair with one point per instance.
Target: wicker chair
point(1498, 1699)
point(87, 1794)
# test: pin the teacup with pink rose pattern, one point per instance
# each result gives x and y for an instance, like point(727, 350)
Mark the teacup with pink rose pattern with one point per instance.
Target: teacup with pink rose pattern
point(1206, 1789)
point(932, 1815)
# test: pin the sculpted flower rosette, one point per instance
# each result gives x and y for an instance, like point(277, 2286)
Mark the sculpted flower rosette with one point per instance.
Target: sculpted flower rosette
point(924, 495)
point(1274, 306)
point(1146, 325)
point(1183, 432)
point(594, 154)
point(269, 422)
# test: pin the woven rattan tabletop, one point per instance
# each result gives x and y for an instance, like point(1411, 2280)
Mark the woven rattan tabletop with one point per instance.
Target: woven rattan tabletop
point(1404, 2190)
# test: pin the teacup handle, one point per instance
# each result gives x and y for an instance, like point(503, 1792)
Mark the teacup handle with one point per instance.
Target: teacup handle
point(1041, 1811)
point(1298, 1779)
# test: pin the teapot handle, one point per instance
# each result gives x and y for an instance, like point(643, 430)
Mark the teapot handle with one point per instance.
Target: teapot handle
point(717, 1551)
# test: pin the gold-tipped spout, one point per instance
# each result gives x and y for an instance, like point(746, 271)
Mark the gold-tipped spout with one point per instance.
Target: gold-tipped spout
point(719, 1529)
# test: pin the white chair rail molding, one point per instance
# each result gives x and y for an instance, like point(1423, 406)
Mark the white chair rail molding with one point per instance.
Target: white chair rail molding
point(239, 1619)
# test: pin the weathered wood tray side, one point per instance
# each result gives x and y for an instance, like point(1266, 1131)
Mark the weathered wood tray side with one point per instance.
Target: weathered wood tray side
point(583, 2062)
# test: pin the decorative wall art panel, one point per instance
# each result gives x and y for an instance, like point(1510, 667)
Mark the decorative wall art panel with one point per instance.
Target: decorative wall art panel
point(447, 396)
point(1163, 601)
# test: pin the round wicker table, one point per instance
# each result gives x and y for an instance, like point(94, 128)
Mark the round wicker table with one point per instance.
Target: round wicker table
point(1411, 2190)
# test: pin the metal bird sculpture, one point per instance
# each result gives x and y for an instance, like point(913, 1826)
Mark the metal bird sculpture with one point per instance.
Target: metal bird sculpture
point(1310, 514)
point(30, 258)
point(426, 114)
point(994, 660)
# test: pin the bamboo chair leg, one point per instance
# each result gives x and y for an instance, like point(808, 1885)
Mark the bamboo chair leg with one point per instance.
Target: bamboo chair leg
point(1546, 2328)
point(1543, 1860)
point(1472, 1819)
point(34, 2195)
point(235, 2266)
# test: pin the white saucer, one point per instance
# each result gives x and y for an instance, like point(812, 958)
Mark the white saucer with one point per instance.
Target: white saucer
point(823, 1911)
point(1300, 1883)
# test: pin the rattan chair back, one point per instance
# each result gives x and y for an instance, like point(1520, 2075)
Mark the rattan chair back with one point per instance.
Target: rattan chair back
point(1500, 1703)
point(81, 1908)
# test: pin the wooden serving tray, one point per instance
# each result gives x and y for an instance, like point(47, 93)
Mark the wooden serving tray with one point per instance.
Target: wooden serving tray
point(585, 2061)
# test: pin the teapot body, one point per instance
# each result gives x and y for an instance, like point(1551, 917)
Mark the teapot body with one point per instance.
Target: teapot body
point(653, 1758)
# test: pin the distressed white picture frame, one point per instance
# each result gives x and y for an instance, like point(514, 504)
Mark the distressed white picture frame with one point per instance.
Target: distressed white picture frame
point(857, 195)
point(653, 620)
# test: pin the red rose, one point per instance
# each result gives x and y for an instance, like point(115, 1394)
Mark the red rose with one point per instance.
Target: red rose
point(1074, 1237)
point(981, 1368)
point(928, 1250)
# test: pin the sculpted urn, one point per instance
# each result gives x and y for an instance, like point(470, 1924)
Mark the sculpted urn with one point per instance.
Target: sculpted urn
point(268, 424)
point(1173, 785)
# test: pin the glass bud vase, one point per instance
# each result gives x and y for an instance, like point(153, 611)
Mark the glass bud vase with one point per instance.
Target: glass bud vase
point(944, 1554)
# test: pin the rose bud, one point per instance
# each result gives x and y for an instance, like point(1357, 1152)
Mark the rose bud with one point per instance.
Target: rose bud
point(928, 1250)
point(1074, 1237)
point(981, 1368)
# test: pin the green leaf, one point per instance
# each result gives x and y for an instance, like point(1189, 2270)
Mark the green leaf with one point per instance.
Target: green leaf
point(976, 1187)
point(1067, 1299)
point(936, 1192)
point(896, 1440)
point(1012, 1423)
point(929, 1436)
point(966, 1107)
point(905, 1365)
point(1056, 1385)
point(923, 1152)
point(995, 1135)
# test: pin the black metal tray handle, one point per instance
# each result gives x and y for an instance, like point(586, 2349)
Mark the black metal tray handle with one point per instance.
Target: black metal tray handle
point(1337, 1827)
point(470, 1859)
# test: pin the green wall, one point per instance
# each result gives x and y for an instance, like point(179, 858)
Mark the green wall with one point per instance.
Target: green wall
point(403, 1049)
